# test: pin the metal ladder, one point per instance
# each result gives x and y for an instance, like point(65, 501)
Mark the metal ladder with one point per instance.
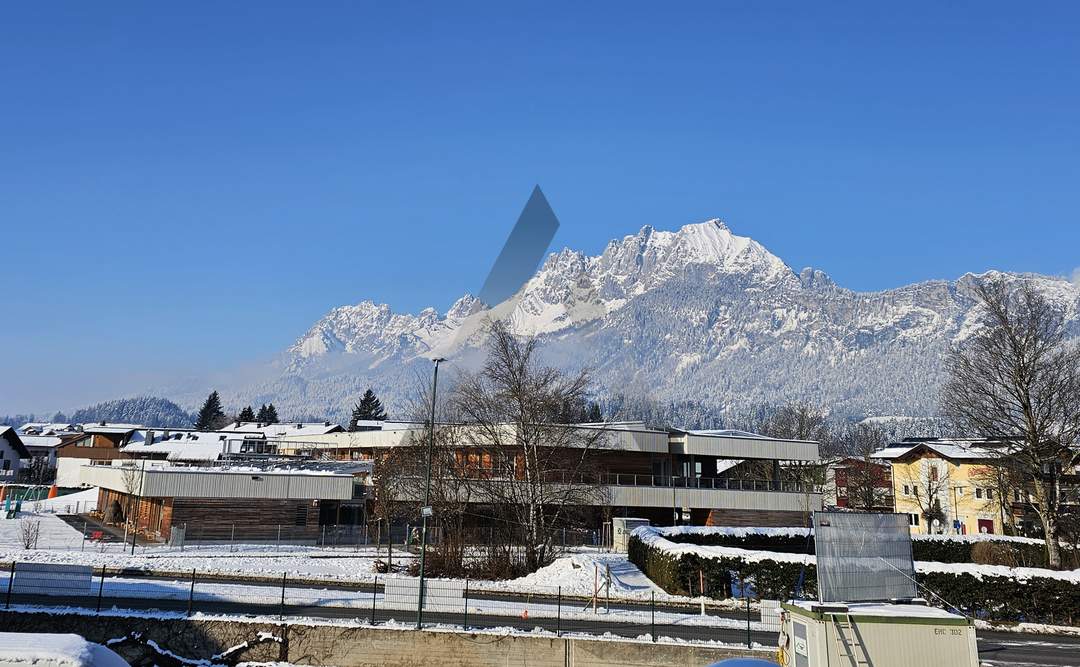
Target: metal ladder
point(847, 642)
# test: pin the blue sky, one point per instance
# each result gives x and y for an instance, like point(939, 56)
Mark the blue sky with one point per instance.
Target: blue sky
point(190, 186)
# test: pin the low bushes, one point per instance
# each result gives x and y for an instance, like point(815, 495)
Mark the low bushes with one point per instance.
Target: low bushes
point(981, 591)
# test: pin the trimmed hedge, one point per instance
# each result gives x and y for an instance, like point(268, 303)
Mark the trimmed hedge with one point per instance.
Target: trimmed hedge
point(1024, 554)
point(679, 574)
point(988, 597)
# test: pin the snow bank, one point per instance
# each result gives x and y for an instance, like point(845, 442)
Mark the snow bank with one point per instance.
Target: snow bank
point(53, 650)
point(576, 575)
point(657, 538)
point(730, 531)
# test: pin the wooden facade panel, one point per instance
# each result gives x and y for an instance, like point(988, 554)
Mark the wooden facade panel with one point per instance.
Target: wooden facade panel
point(216, 518)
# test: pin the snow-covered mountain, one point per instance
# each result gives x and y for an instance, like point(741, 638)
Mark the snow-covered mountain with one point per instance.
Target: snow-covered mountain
point(699, 315)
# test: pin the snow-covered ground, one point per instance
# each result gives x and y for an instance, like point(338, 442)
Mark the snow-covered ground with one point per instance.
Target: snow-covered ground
point(575, 574)
point(117, 588)
point(54, 650)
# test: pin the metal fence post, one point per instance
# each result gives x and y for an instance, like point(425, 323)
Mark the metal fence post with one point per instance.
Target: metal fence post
point(83, 547)
point(558, 615)
point(10, 585)
point(284, 576)
point(101, 589)
point(465, 622)
point(191, 595)
point(232, 538)
point(749, 644)
point(278, 547)
point(374, 594)
point(652, 607)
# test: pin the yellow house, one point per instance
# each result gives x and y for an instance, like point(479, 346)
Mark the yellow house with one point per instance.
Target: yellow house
point(946, 486)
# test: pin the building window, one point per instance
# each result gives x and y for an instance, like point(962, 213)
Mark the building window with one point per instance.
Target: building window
point(989, 494)
point(913, 519)
point(959, 490)
point(1016, 495)
point(933, 473)
point(978, 492)
point(907, 490)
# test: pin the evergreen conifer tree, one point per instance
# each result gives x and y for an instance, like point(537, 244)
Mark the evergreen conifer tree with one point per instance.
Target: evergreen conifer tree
point(211, 416)
point(368, 409)
point(271, 416)
point(261, 416)
point(247, 415)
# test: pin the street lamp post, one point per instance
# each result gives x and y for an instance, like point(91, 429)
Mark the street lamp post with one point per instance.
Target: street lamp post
point(425, 511)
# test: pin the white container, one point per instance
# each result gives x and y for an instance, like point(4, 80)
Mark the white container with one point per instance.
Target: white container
point(879, 634)
point(621, 527)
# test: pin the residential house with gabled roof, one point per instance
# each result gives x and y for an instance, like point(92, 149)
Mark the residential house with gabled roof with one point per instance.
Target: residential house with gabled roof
point(97, 444)
point(947, 485)
point(12, 452)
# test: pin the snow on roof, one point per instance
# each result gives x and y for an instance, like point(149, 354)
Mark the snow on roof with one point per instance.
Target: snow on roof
point(42, 440)
point(950, 449)
point(13, 438)
point(183, 445)
point(882, 609)
point(48, 428)
point(54, 650)
point(342, 469)
point(727, 433)
point(284, 429)
point(110, 427)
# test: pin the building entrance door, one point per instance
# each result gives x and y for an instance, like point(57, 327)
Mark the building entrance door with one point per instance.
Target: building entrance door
point(986, 526)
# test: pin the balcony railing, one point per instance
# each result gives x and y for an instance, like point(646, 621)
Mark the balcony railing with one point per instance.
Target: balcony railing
point(708, 483)
point(663, 481)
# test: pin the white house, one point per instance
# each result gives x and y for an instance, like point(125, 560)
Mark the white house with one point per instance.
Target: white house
point(12, 451)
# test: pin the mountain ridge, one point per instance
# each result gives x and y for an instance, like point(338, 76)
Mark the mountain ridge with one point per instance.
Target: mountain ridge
point(697, 314)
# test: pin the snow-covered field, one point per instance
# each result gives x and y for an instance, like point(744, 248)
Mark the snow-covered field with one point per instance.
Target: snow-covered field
point(575, 574)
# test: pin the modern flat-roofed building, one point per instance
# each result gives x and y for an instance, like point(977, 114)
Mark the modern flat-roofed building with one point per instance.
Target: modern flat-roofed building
point(246, 502)
point(667, 476)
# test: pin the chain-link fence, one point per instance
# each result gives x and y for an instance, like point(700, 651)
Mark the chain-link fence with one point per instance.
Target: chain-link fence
point(384, 601)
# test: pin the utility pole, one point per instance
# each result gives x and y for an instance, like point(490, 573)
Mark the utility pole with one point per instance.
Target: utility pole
point(425, 511)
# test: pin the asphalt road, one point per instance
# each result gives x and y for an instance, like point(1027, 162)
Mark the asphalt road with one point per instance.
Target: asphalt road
point(995, 648)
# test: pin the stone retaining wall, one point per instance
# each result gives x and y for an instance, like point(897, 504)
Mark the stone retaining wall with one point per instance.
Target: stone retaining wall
point(146, 641)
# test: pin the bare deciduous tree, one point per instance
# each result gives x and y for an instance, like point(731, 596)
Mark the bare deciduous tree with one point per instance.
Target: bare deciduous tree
point(542, 470)
point(1017, 379)
point(868, 485)
point(29, 532)
point(929, 483)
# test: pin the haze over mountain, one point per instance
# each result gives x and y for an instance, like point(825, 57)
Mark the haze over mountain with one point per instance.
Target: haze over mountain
point(699, 315)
